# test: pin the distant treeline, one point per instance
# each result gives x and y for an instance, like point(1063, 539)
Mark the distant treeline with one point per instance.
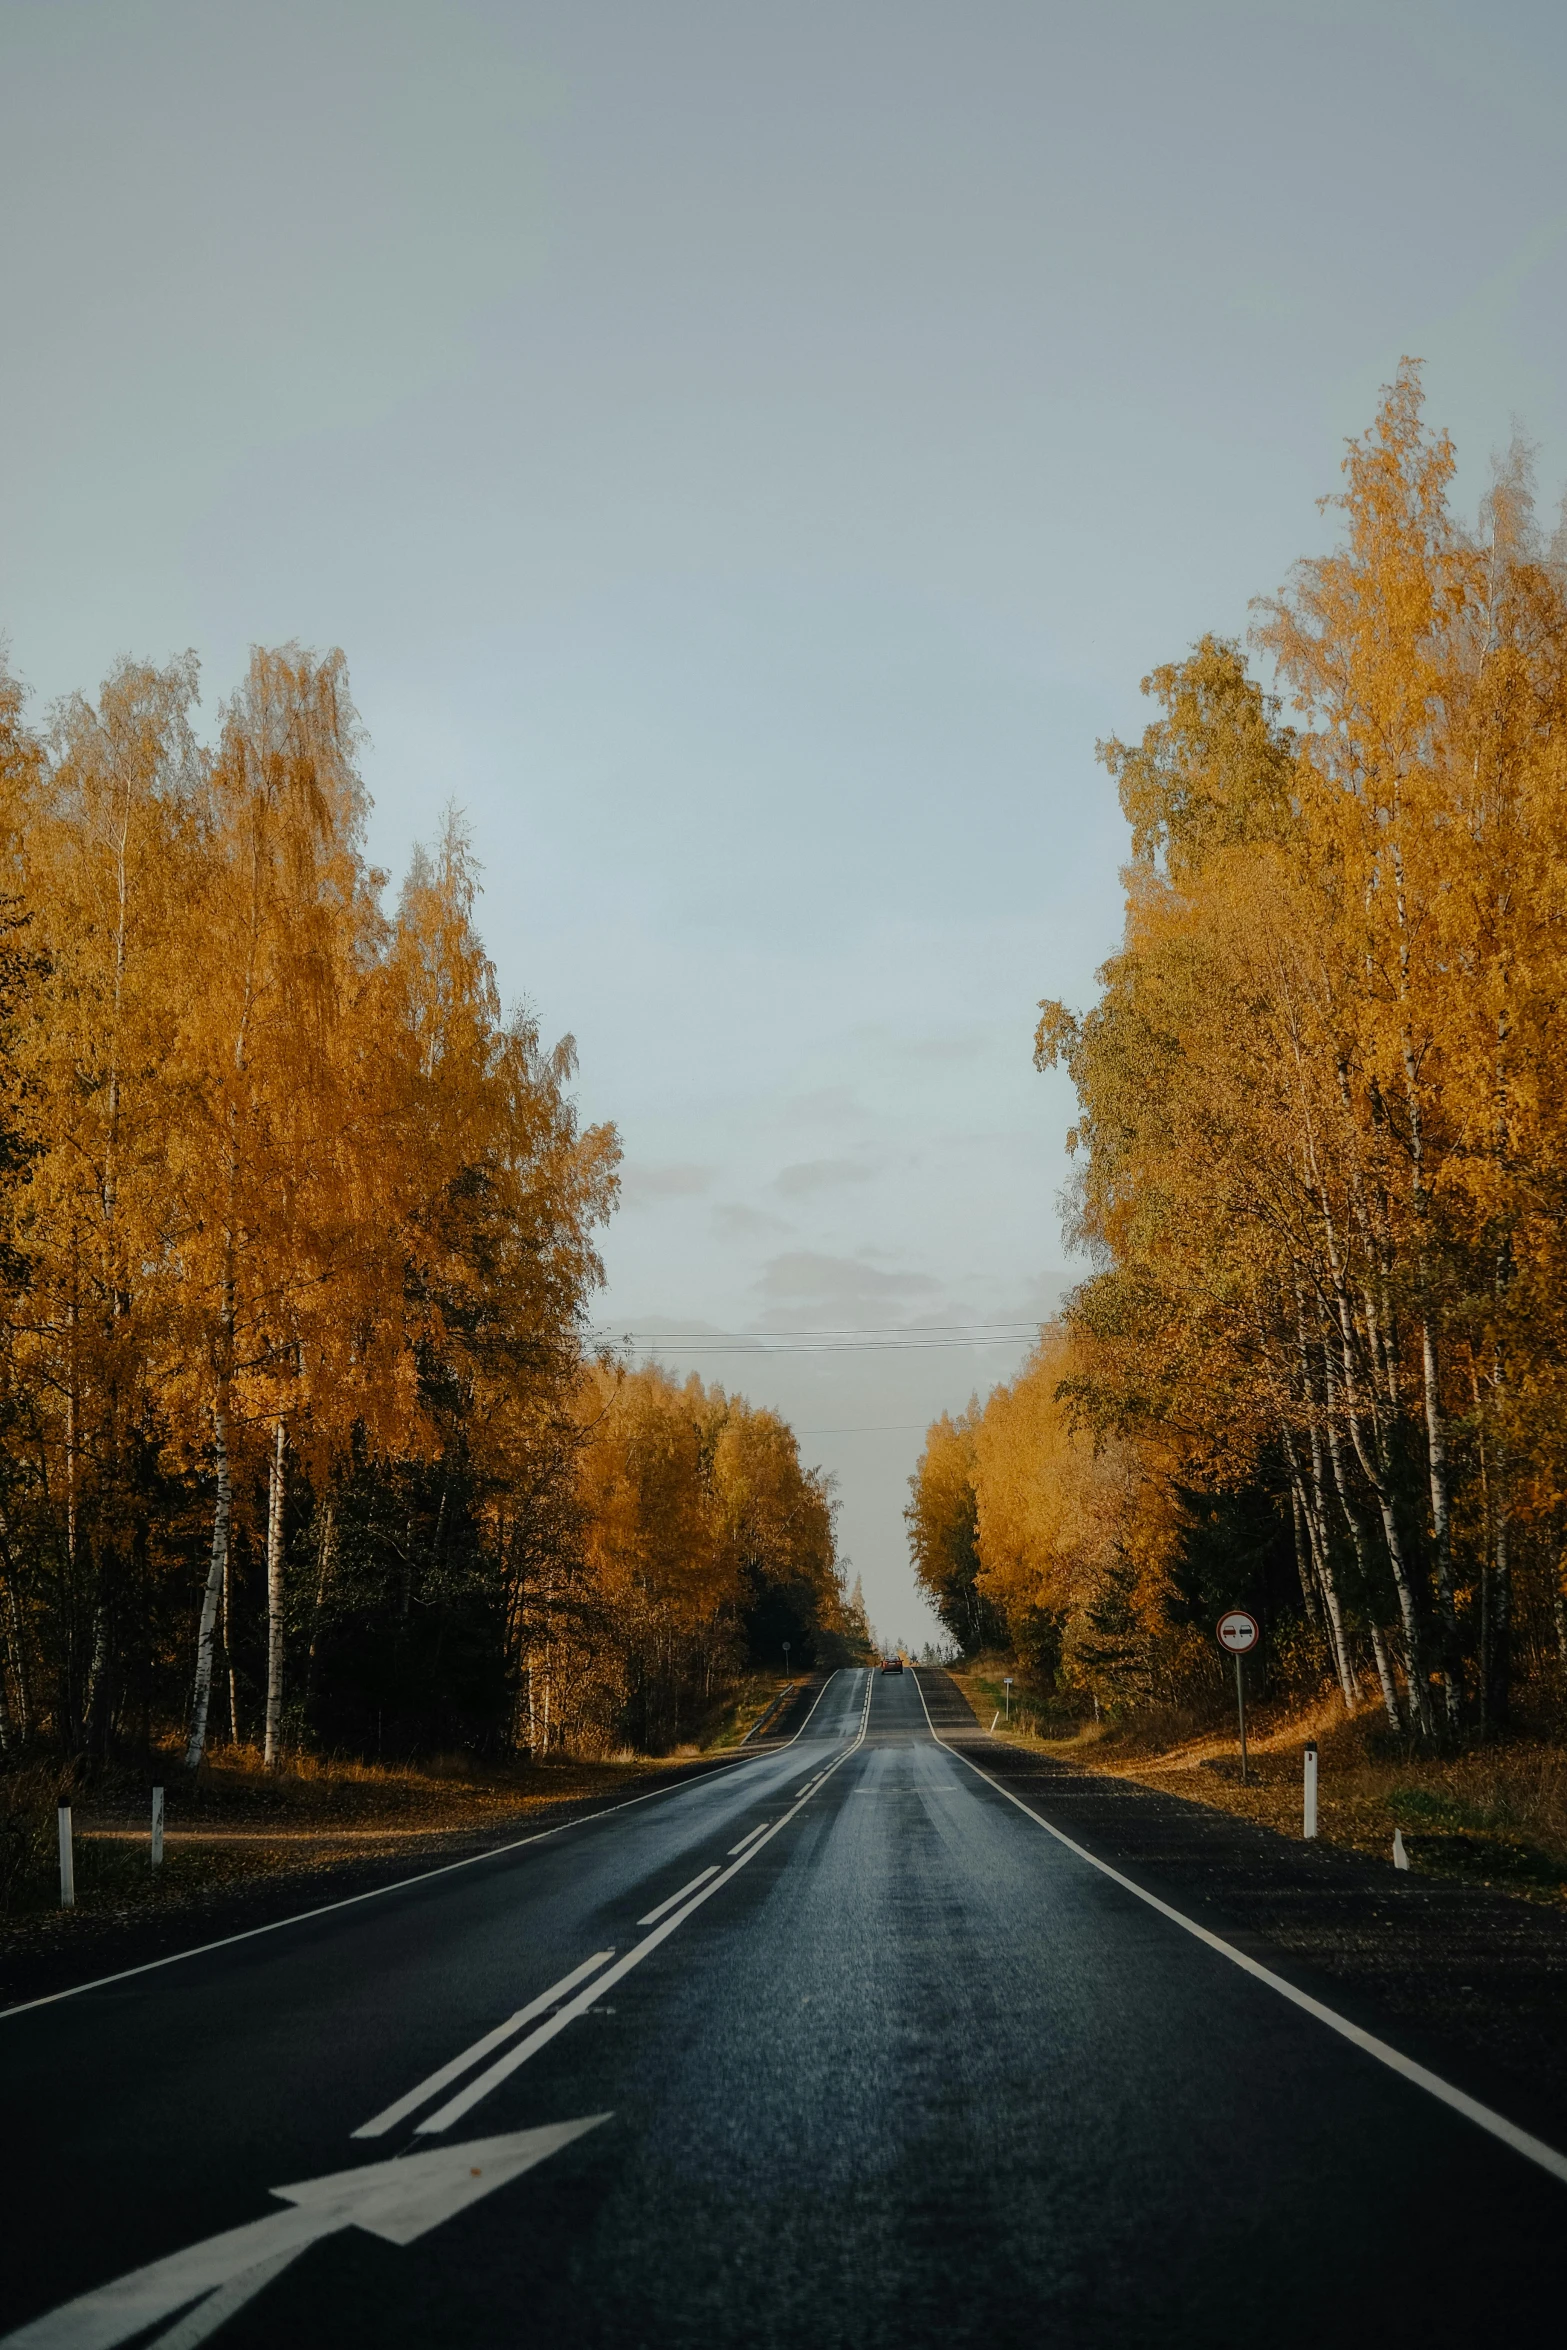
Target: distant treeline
point(1321, 1364)
point(301, 1440)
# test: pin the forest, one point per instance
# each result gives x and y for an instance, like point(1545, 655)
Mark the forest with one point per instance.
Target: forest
point(304, 1442)
point(1318, 1365)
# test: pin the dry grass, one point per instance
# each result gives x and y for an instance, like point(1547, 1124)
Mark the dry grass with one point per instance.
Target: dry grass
point(1492, 1814)
point(756, 1694)
point(234, 1822)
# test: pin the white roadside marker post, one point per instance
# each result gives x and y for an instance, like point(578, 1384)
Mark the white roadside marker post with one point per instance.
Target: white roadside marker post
point(157, 1827)
point(1310, 1828)
point(1400, 1856)
point(1007, 1686)
point(67, 1865)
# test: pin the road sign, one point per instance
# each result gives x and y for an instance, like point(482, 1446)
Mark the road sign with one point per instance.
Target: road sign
point(1238, 1631)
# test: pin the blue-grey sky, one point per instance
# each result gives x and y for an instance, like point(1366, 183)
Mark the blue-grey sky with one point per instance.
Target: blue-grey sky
point(748, 455)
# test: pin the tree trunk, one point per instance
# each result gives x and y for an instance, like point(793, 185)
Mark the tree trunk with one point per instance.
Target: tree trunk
point(1316, 1517)
point(1385, 1674)
point(228, 1644)
point(1308, 1581)
point(1375, 1472)
point(1441, 1519)
point(22, 1715)
point(1357, 1535)
point(217, 1573)
point(323, 1580)
point(1436, 1438)
point(96, 1715)
point(1500, 1626)
point(271, 1750)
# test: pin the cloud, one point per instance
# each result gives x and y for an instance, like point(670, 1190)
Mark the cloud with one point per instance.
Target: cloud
point(820, 1175)
point(642, 1185)
point(1041, 1297)
point(845, 1284)
point(826, 1105)
point(731, 1220)
point(965, 1046)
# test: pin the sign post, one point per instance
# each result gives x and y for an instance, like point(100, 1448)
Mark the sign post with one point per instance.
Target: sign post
point(1239, 1632)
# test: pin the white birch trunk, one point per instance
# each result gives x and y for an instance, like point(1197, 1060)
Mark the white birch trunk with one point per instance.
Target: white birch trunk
point(271, 1751)
point(1375, 1469)
point(1308, 1583)
point(228, 1644)
point(1357, 1535)
point(323, 1579)
point(216, 1574)
point(1441, 1515)
point(1316, 1518)
point(1385, 1675)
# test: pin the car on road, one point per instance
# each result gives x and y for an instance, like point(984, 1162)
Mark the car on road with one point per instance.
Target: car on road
point(892, 1664)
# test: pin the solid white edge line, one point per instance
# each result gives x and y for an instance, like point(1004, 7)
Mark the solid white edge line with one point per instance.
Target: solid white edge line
point(466, 2099)
point(390, 2115)
point(675, 1899)
point(1484, 2117)
point(816, 1701)
point(300, 1917)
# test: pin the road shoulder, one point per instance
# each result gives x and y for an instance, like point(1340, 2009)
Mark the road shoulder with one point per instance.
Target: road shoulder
point(1471, 1982)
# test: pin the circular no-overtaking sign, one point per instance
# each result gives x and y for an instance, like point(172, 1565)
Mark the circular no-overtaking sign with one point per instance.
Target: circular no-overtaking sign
point(1238, 1631)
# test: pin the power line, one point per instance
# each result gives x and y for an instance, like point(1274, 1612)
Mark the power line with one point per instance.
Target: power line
point(851, 1330)
point(927, 1338)
point(872, 1428)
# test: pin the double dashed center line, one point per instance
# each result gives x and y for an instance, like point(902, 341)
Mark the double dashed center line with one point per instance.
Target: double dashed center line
point(666, 1919)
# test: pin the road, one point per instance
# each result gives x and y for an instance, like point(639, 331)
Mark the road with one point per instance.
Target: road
point(903, 2068)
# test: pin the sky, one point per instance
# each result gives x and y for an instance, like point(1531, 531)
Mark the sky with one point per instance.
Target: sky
point(750, 455)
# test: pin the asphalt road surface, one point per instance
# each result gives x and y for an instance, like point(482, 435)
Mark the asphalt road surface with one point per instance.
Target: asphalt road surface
point(891, 2064)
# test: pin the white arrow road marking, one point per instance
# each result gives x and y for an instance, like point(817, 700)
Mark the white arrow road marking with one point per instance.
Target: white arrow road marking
point(390, 2115)
point(200, 2323)
point(397, 2201)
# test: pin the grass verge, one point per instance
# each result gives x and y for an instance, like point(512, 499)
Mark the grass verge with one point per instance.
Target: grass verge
point(1493, 1814)
point(233, 1823)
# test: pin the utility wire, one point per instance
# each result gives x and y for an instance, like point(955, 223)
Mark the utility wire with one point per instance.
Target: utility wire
point(930, 1338)
point(873, 1428)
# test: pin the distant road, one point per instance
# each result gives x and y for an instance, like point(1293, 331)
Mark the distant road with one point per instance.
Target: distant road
point(837, 2046)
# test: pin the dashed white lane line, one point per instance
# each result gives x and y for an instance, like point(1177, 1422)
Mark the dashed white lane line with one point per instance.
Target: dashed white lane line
point(391, 2115)
point(1483, 2116)
point(740, 1847)
point(675, 1899)
point(466, 2098)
